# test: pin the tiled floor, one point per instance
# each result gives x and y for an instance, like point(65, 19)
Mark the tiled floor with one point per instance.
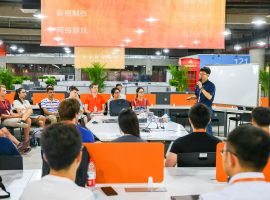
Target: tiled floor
point(33, 159)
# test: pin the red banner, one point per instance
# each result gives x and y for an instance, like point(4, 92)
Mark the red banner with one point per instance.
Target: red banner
point(134, 23)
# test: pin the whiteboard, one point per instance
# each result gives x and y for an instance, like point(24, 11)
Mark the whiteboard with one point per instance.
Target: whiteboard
point(236, 84)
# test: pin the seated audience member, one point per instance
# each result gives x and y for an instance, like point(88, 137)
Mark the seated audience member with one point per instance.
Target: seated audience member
point(198, 141)
point(120, 87)
point(115, 92)
point(62, 146)
point(261, 118)
point(9, 118)
point(69, 110)
point(50, 105)
point(74, 95)
point(129, 126)
point(7, 148)
point(245, 155)
point(21, 146)
point(140, 104)
point(24, 107)
point(95, 102)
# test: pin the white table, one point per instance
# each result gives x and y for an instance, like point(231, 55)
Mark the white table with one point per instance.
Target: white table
point(177, 181)
point(111, 131)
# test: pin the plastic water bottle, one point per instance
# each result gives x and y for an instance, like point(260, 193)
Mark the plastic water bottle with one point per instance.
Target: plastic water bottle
point(91, 182)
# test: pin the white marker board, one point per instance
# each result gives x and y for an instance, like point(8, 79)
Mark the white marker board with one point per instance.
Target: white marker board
point(236, 84)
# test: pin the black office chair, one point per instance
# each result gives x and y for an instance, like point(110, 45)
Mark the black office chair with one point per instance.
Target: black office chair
point(196, 159)
point(11, 162)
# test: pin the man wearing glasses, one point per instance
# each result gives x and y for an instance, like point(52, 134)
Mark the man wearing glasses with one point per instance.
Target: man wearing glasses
point(50, 106)
point(245, 155)
point(205, 93)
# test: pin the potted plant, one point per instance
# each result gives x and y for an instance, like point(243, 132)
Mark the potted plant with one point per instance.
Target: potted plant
point(97, 74)
point(51, 81)
point(17, 82)
point(264, 81)
point(179, 77)
point(6, 78)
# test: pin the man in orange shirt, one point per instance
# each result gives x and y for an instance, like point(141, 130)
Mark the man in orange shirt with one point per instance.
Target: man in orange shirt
point(94, 102)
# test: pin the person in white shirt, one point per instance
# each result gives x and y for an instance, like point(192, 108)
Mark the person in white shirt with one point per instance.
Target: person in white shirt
point(24, 107)
point(245, 155)
point(120, 87)
point(61, 143)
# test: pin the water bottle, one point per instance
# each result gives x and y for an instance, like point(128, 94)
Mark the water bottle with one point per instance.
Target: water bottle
point(91, 181)
point(95, 109)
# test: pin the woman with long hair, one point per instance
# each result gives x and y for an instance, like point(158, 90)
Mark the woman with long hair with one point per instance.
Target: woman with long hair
point(140, 103)
point(23, 106)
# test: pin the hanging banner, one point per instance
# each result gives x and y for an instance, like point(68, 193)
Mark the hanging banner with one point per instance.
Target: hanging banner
point(197, 24)
point(112, 58)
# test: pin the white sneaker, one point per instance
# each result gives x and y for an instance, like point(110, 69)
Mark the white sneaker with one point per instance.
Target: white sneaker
point(22, 125)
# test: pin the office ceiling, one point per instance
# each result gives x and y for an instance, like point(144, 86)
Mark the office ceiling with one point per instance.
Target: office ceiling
point(18, 26)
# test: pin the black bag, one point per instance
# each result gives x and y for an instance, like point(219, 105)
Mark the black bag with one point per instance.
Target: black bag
point(81, 175)
point(117, 105)
point(4, 189)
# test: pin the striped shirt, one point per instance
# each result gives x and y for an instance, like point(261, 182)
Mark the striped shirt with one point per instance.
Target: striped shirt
point(51, 106)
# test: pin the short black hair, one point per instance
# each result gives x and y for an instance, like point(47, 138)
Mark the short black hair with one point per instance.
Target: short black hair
point(251, 146)
point(118, 84)
point(71, 88)
point(113, 90)
point(128, 122)
point(49, 87)
point(68, 109)
point(61, 144)
point(207, 70)
point(261, 116)
point(199, 115)
point(92, 85)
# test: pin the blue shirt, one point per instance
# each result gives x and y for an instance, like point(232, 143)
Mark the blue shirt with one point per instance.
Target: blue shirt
point(7, 148)
point(51, 106)
point(210, 88)
point(87, 135)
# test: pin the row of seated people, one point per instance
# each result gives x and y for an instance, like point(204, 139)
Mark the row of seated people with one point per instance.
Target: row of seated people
point(245, 154)
point(23, 116)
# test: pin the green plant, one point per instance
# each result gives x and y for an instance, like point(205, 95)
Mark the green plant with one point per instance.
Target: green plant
point(6, 78)
point(97, 74)
point(50, 81)
point(264, 81)
point(179, 77)
point(25, 78)
point(42, 77)
point(17, 80)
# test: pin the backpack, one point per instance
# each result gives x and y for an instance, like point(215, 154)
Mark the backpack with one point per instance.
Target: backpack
point(4, 189)
point(117, 105)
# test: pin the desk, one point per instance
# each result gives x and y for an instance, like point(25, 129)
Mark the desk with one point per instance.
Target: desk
point(224, 110)
point(178, 181)
point(111, 131)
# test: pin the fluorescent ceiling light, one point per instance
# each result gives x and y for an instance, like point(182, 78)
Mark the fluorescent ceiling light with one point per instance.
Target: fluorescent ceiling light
point(67, 48)
point(158, 53)
point(39, 16)
point(20, 50)
point(58, 39)
point(181, 46)
point(237, 47)
point(51, 29)
point(13, 47)
point(196, 42)
point(122, 45)
point(166, 50)
point(116, 50)
point(227, 32)
point(261, 43)
point(258, 22)
point(151, 19)
point(127, 40)
point(62, 44)
point(139, 31)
